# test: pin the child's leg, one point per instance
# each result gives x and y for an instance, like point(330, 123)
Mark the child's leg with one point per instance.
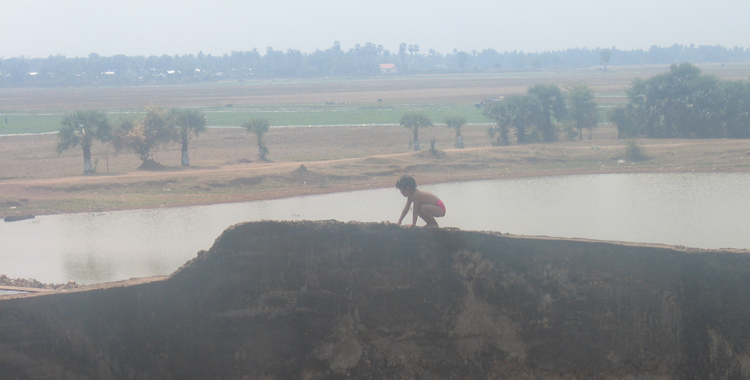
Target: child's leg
point(428, 214)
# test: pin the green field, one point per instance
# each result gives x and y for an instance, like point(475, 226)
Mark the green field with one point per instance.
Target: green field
point(333, 101)
point(337, 114)
point(14, 123)
point(278, 115)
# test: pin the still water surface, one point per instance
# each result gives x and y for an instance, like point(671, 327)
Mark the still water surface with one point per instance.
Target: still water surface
point(705, 210)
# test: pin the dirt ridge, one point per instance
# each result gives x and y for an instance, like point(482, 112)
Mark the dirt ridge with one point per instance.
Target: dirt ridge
point(332, 300)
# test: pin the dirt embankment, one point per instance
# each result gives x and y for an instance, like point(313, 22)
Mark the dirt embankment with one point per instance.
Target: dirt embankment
point(329, 300)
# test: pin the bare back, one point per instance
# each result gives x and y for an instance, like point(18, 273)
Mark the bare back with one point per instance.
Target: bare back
point(422, 197)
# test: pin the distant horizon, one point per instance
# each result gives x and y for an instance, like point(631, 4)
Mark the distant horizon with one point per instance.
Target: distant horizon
point(263, 52)
point(77, 28)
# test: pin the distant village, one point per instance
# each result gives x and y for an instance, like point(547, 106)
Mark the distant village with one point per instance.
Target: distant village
point(361, 61)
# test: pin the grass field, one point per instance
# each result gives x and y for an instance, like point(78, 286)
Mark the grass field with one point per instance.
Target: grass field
point(301, 114)
point(277, 115)
point(27, 122)
point(336, 101)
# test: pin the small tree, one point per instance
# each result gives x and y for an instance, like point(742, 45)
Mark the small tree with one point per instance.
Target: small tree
point(634, 152)
point(83, 128)
point(457, 123)
point(623, 118)
point(415, 120)
point(258, 127)
point(516, 111)
point(583, 112)
point(188, 122)
point(142, 134)
point(552, 102)
point(502, 113)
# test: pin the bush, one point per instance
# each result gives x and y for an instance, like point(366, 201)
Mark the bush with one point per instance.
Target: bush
point(634, 152)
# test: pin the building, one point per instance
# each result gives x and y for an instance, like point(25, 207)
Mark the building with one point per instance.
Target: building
point(388, 68)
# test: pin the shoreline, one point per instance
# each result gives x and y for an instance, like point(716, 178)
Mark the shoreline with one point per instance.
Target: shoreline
point(300, 192)
point(308, 161)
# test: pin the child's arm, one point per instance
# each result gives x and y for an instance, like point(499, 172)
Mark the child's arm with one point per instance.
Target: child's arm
point(406, 210)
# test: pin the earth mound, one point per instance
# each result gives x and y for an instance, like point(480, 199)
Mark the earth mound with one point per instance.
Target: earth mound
point(151, 165)
point(330, 300)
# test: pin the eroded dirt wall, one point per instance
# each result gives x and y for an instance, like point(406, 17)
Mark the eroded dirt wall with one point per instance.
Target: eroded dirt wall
point(329, 300)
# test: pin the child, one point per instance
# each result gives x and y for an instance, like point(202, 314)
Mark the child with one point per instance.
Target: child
point(427, 205)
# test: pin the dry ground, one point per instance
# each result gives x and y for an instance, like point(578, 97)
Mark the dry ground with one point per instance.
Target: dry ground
point(409, 90)
point(35, 180)
point(426, 89)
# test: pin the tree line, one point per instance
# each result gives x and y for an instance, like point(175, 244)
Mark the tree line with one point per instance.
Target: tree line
point(682, 103)
point(141, 134)
point(685, 103)
point(542, 114)
point(362, 60)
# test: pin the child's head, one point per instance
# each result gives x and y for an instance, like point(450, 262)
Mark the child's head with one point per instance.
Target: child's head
point(406, 182)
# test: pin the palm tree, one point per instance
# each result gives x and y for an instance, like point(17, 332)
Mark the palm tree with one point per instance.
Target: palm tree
point(258, 126)
point(83, 128)
point(415, 120)
point(457, 123)
point(188, 122)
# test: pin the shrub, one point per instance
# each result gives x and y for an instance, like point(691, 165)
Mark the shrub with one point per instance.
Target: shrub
point(634, 152)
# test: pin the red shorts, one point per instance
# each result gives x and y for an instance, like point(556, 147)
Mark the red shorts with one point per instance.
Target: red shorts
point(440, 204)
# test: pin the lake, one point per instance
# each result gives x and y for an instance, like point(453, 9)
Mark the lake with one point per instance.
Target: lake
point(704, 210)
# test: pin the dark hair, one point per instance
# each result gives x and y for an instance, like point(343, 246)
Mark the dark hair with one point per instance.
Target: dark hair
point(406, 182)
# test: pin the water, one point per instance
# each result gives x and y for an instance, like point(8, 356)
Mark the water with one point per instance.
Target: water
point(705, 210)
point(9, 292)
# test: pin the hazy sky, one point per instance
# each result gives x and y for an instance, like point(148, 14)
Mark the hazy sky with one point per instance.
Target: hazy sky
point(39, 28)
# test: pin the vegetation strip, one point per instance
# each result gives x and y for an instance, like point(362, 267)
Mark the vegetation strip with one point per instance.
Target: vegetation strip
point(333, 63)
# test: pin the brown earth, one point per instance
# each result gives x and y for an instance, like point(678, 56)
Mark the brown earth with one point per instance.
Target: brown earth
point(420, 89)
point(398, 90)
point(331, 300)
point(35, 180)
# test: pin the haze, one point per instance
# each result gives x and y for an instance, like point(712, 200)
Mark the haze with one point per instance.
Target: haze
point(40, 28)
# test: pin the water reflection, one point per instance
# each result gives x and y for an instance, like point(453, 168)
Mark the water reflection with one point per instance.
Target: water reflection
point(9, 292)
point(699, 210)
